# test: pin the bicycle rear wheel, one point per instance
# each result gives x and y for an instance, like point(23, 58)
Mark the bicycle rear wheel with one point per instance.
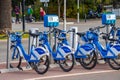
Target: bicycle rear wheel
point(15, 59)
point(89, 62)
point(114, 63)
point(67, 64)
point(42, 66)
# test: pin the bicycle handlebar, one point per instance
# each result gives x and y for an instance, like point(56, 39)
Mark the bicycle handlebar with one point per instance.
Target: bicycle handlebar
point(96, 28)
point(16, 33)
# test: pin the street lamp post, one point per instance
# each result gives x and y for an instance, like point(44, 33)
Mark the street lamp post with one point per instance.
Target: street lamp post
point(78, 20)
point(64, 14)
point(46, 5)
point(23, 15)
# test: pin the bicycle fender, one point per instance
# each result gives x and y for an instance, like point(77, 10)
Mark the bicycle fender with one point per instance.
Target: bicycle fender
point(86, 48)
point(41, 51)
point(115, 49)
point(37, 53)
point(63, 52)
point(66, 49)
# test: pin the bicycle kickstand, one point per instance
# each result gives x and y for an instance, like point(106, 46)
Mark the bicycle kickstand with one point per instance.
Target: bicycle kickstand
point(19, 65)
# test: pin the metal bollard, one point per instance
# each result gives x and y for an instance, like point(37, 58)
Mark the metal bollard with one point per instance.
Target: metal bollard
point(74, 37)
point(85, 18)
point(32, 31)
point(8, 53)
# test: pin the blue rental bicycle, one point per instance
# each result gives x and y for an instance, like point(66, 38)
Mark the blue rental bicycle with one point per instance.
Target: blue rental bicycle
point(84, 53)
point(38, 58)
point(110, 54)
point(114, 34)
point(62, 54)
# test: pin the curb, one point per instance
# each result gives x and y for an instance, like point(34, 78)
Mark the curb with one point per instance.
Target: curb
point(29, 68)
point(12, 70)
point(24, 69)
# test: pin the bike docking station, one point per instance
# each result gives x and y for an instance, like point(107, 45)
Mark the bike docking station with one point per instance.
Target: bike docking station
point(8, 69)
point(35, 41)
point(73, 37)
point(108, 19)
point(7, 57)
point(33, 34)
point(60, 53)
point(74, 40)
point(32, 58)
point(51, 21)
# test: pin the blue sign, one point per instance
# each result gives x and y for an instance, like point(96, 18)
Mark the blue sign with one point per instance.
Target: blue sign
point(108, 18)
point(51, 21)
point(44, 0)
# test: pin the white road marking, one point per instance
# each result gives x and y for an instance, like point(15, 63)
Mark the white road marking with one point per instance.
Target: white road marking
point(2, 63)
point(68, 75)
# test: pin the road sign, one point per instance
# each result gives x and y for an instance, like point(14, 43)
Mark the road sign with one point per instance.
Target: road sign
point(44, 0)
point(45, 4)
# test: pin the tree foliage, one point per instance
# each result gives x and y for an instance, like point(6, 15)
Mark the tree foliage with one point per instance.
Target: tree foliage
point(27, 2)
point(54, 5)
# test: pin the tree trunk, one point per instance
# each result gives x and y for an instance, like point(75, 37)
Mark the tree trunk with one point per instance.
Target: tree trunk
point(5, 15)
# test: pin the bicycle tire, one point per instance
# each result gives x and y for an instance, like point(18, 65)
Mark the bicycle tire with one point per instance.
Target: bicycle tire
point(114, 63)
point(66, 67)
point(89, 62)
point(44, 63)
point(15, 59)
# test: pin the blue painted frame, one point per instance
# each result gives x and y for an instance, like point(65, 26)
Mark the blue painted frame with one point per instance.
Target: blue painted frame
point(44, 37)
point(16, 39)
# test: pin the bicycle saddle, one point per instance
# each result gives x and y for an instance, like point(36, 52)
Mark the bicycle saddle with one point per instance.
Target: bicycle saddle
point(80, 34)
point(61, 38)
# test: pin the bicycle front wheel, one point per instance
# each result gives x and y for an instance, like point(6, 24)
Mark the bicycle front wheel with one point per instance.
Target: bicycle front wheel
point(42, 66)
point(89, 62)
point(67, 64)
point(114, 63)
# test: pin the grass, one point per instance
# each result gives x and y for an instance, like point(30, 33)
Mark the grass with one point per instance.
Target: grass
point(4, 36)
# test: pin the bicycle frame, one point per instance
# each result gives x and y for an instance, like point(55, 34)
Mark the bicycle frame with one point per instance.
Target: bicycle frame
point(61, 52)
point(114, 31)
point(111, 51)
point(82, 50)
point(34, 54)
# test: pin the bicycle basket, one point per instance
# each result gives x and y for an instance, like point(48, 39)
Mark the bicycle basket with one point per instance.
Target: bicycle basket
point(13, 37)
point(84, 38)
point(40, 36)
point(90, 36)
point(62, 34)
